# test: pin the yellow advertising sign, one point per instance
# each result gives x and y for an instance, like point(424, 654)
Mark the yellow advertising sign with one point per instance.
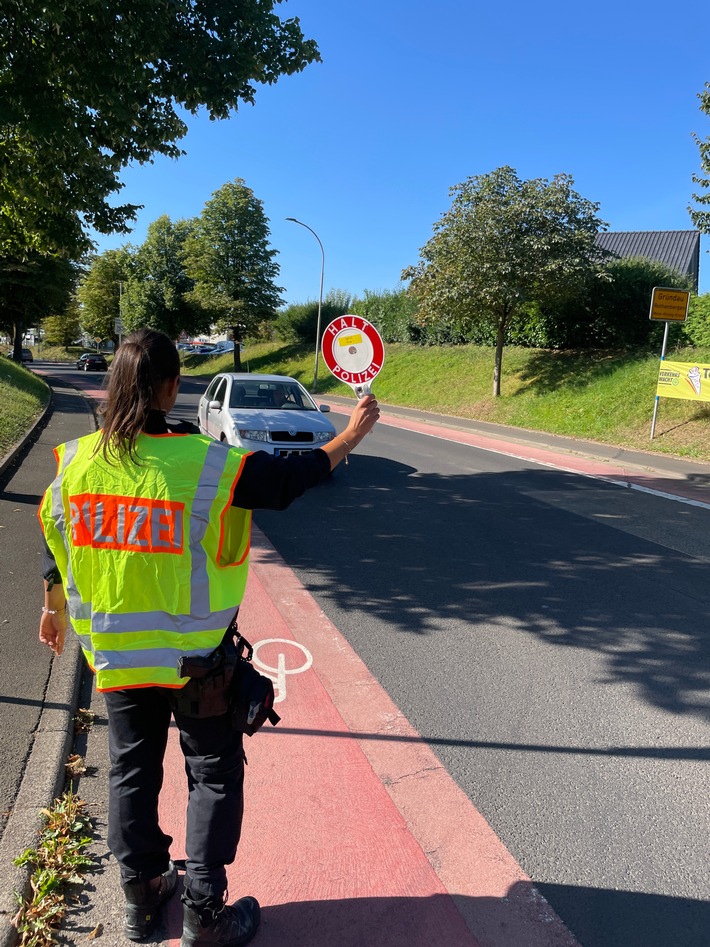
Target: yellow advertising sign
point(685, 380)
point(669, 305)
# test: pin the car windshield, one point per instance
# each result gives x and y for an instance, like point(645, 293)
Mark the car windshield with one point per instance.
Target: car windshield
point(270, 395)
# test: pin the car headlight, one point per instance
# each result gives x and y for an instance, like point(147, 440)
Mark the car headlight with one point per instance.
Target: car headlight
point(253, 435)
point(321, 436)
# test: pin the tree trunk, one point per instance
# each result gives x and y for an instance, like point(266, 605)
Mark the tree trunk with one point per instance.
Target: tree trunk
point(237, 350)
point(17, 341)
point(500, 342)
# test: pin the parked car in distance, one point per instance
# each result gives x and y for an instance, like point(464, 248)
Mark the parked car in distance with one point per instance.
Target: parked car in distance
point(25, 356)
point(92, 362)
point(220, 348)
point(274, 413)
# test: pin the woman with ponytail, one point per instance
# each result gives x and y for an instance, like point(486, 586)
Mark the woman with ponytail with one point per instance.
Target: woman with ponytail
point(146, 531)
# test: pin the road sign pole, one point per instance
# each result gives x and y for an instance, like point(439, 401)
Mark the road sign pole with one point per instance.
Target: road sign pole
point(663, 355)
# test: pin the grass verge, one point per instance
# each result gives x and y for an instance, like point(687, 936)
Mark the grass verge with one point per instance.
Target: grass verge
point(603, 396)
point(23, 397)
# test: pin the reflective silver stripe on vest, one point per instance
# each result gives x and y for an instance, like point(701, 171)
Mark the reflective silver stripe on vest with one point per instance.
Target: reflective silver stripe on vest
point(103, 623)
point(207, 486)
point(77, 608)
point(149, 658)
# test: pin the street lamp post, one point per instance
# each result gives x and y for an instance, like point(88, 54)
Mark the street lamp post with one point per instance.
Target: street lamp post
point(320, 298)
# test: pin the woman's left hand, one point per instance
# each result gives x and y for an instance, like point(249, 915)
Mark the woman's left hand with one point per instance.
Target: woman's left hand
point(52, 629)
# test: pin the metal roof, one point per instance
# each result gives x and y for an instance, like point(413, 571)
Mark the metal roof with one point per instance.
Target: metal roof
point(679, 249)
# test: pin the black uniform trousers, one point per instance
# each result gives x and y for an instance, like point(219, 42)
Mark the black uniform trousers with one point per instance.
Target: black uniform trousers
point(139, 719)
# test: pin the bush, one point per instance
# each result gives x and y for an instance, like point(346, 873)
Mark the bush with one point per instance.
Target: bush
point(298, 322)
point(611, 310)
point(392, 313)
point(696, 330)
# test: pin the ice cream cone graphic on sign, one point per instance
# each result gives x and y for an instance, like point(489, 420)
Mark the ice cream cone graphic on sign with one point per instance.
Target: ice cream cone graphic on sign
point(693, 377)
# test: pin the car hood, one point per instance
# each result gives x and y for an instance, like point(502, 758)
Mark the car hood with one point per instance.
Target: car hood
point(281, 420)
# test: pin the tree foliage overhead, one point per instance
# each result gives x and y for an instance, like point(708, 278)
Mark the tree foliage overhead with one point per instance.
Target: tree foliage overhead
point(88, 86)
point(701, 218)
point(228, 255)
point(503, 243)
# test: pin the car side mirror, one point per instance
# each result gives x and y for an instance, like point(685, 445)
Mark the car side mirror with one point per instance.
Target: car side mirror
point(214, 406)
point(325, 408)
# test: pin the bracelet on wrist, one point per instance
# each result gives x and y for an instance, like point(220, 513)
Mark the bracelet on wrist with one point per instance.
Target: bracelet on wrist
point(53, 611)
point(349, 448)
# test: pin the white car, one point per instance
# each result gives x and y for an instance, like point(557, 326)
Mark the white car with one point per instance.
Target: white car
point(219, 348)
point(274, 413)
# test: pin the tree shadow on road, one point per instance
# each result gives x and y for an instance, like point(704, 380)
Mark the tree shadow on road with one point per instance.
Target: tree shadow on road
point(417, 551)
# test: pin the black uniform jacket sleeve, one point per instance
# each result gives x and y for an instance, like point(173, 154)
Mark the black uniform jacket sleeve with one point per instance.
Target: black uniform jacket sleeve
point(266, 482)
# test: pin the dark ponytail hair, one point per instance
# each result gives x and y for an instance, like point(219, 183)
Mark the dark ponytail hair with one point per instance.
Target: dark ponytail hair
point(145, 361)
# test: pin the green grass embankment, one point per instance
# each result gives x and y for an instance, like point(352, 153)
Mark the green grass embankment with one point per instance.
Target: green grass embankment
point(600, 396)
point(23, 397)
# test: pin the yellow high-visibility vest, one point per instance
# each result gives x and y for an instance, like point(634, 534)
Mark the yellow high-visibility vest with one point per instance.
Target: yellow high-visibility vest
point(152, 554)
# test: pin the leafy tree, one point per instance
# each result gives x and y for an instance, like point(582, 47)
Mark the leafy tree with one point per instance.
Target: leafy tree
point(101, 289)
point(31, 289)
point(157, 292)
point(228, 256)
point(89, 87)
point(64, 328)
point(701, 218)
point(503, 243)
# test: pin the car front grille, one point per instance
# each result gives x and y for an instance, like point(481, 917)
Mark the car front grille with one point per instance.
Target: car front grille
point(285, 437)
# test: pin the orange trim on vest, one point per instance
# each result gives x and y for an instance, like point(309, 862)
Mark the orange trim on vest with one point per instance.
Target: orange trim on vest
point(221, 521)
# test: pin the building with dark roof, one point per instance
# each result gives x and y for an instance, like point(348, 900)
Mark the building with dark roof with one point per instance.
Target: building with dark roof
point(679, 249)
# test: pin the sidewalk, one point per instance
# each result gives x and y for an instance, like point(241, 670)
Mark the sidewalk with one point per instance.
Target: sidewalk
point(354, 833)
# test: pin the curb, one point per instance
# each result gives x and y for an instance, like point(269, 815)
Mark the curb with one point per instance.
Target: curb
point(42, 781)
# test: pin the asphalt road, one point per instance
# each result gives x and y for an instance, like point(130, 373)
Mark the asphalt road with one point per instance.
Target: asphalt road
point(549, 636)
point(546, 633)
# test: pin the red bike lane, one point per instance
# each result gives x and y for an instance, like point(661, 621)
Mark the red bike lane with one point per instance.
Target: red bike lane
point(354, 833)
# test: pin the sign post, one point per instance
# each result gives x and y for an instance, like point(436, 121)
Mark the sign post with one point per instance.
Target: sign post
point(354, 352)
point(667, 305)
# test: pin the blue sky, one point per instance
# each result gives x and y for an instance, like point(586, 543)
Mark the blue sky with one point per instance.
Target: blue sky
point(413, 98)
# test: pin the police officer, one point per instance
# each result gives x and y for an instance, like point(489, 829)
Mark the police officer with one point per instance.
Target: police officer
point(147, 529)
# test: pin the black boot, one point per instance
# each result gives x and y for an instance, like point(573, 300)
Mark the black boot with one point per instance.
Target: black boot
point(144, 900)
point(208, 921)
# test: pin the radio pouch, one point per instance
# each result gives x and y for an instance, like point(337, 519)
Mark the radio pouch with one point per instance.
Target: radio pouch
point(226, 681)
point(252, 702)
point(207, 692)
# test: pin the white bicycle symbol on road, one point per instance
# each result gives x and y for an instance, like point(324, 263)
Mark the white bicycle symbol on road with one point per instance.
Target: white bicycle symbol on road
point(278, 674)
